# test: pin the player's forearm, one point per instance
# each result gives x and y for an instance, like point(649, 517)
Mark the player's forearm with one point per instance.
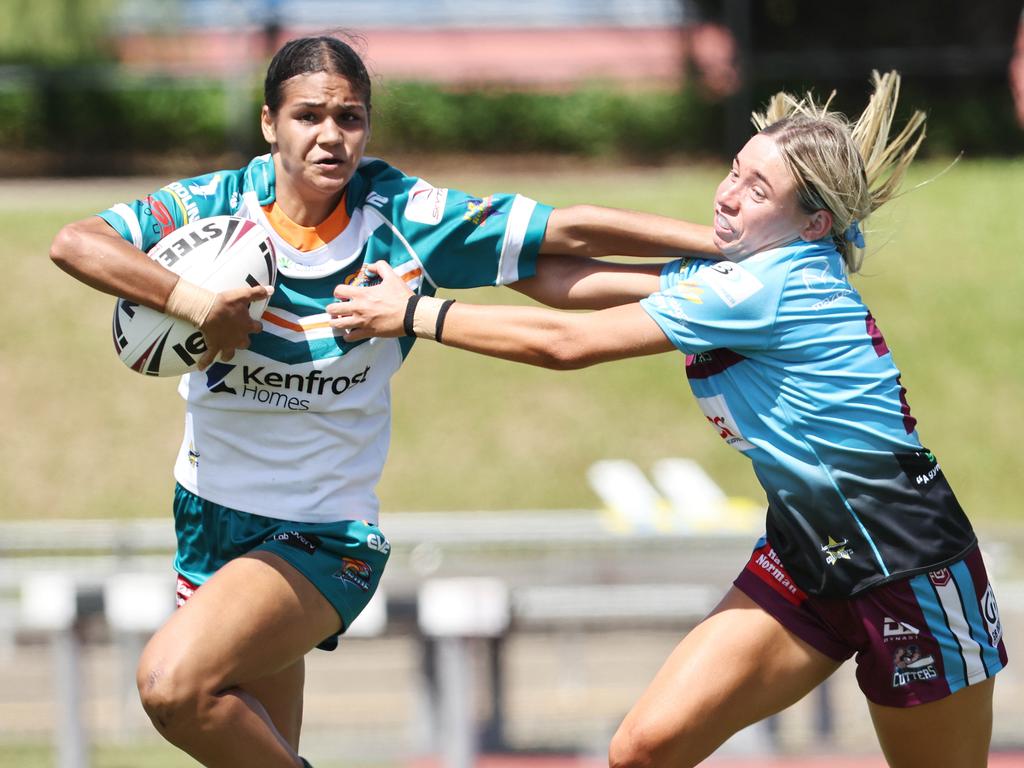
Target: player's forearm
point(90, 251)
point(530, 335)
point(577, 282)
point(589, 230)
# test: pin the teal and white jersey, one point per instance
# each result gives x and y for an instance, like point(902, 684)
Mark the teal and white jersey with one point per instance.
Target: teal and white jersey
point(297, 426)
point(789, 367)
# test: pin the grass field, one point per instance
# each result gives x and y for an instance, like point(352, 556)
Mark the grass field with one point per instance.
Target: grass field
point(87, 438)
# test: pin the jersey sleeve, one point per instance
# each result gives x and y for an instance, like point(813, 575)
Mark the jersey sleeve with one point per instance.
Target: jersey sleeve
point(144, 222)
point(464, 241)
point(707, 305)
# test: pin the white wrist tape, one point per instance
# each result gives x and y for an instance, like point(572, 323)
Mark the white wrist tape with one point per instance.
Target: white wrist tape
point(190, 302)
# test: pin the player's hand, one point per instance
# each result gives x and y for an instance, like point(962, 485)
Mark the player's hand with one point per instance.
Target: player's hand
point(378, 310)
point(228, 325)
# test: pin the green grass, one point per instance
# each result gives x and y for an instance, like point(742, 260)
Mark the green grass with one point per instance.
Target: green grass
point(85, 437)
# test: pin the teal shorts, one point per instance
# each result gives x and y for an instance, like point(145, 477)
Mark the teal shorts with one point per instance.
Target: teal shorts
point(344, 559)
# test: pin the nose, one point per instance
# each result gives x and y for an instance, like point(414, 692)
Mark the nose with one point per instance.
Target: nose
point(728, 197)
point(330, 132)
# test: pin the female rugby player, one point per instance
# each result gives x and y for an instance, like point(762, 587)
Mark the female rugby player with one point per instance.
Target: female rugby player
point(287, 421)
point(867, 551)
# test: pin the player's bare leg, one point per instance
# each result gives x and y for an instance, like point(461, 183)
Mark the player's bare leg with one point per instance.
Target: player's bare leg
point(256, 617)
point(953, 732)
point(281, 695)
point(735, 668)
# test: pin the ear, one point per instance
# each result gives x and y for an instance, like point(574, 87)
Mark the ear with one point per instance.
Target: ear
point(267, 125)
point(817, 225)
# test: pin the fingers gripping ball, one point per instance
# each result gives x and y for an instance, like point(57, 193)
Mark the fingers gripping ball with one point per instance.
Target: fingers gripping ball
point(217, 253)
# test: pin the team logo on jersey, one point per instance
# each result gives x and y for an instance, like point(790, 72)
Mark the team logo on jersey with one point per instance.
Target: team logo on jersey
point(836, 551)
point(892, 628)
point(376, 200)
point(356, 572)
point(910, 665)
point(990, 611)
point(717, 412)
point(479, 210)
point(941, 577)
point(731, 282)
point(426, 203)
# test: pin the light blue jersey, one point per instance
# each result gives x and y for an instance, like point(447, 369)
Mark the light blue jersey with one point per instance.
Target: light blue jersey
point(789, 368)
point(296, 427)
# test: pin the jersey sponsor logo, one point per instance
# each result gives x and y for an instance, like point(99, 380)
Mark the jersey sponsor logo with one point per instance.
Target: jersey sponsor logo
point(892, 628)
point(731, 282)
point(354, 571)
point(426, 203)
point(206, 190)
point(480, 209)
point(990, 611)
point(305, 542)
point(717, 412)
point(911, 665)
point(376, 200)
point(940, 578)
point(280, 390)
point(836, 551)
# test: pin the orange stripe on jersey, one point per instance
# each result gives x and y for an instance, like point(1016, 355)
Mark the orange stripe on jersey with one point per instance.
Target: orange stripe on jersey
point(412, 274)
point(303, 238)
point(280, 322)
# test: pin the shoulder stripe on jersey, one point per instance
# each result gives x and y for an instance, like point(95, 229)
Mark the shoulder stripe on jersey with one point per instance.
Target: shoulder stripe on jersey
point(279, 322)
point(515, 234)
point(370, 212)
point(131, 221)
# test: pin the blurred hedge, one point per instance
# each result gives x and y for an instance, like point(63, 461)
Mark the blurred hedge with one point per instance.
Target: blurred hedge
point(79, 121)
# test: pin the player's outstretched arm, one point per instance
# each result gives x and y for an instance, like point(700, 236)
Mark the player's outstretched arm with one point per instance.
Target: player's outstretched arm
point(542, 337)
point(570, 277)
point(593, 230)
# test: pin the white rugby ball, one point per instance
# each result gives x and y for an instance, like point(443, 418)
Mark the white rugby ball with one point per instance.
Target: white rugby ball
point(218, 253)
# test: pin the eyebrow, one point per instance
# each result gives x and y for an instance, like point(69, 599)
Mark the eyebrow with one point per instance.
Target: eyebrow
point(321, 103)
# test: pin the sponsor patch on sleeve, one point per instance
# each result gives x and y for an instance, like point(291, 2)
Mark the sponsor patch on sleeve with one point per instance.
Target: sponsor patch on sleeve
point(426, 203)
point(731, 282)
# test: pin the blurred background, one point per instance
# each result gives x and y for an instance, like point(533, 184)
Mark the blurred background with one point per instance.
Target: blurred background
point(554, 534)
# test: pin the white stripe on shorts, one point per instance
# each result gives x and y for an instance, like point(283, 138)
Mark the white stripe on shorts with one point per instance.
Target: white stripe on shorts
point(970, 651)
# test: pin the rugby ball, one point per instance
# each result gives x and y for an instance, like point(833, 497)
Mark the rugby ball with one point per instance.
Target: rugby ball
point(218, 253)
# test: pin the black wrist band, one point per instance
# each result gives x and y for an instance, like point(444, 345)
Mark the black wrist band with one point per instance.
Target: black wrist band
point(440, 319)
point(410, 312)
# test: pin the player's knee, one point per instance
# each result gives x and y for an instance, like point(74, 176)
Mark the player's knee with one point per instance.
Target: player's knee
point(630, 748)
point(635, 746)
point(170, 697)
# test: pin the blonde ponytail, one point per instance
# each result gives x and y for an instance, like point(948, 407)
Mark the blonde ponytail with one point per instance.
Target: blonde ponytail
point(851, 170)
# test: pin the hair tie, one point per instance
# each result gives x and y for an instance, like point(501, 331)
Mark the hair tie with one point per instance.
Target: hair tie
point(854, 235)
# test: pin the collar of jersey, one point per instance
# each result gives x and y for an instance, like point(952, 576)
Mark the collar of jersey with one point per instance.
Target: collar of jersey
point(307, 239)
